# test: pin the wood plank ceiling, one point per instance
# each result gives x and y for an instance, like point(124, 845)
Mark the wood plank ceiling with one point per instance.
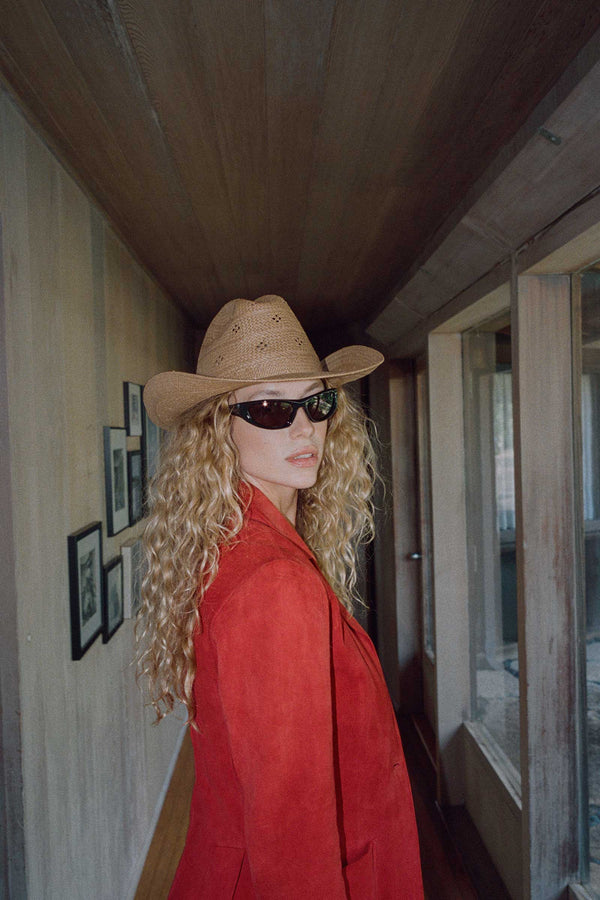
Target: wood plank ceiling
point(302, 147)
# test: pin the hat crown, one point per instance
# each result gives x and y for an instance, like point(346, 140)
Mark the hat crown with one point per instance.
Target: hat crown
point(254, 340)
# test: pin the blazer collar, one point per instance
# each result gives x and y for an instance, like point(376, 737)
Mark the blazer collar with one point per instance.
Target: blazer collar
point(262, 510)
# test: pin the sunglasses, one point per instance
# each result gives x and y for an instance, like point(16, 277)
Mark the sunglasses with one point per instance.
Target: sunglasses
point(274, 414)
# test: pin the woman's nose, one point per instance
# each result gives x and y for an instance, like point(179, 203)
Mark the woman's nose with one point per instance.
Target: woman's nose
point(302, 424)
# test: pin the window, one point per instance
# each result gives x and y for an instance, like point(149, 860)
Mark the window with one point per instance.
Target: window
point(424, 488)
point(590, 443)
point(491, 533)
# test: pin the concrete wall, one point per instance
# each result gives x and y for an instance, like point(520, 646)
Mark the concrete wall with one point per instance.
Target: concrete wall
point(82, 764)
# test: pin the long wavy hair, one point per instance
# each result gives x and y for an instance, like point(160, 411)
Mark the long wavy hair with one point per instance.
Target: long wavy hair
point(195, 508)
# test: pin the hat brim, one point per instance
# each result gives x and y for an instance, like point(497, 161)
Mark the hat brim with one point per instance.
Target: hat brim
point(170, 395)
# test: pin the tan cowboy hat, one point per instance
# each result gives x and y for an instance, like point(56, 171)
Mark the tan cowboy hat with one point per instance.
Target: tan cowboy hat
point(249, 342)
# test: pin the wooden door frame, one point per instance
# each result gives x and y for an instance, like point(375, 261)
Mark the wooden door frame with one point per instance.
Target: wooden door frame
point(392, 399)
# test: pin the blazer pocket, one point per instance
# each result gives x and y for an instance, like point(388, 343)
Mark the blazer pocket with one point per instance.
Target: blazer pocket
point(359, 876)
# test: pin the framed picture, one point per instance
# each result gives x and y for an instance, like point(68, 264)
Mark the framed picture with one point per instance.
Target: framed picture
point(151, 439)
point(132, 554)
point(115, 478)
point(85, 587)
point(136, 485)
point(112, 598)
point(132, 402)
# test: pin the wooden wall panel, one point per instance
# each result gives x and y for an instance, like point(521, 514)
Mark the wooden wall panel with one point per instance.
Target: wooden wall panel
point(450, 583)
point(77, 325)
point(12, 841)
point(547, 582)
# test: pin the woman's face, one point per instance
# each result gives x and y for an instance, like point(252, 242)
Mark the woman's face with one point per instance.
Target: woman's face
point(285, 460)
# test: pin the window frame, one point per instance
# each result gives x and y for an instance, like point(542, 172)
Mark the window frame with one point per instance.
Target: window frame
point(531, 859)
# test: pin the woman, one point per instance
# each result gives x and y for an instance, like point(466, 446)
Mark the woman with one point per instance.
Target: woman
point(301, 789)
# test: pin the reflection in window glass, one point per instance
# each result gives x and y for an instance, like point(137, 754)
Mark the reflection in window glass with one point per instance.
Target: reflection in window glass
point(491, 534)
point(590, 442)
point(425, 514)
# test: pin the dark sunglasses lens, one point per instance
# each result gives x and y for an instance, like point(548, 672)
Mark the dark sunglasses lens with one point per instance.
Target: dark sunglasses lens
point(281, 413)
point(270, 413)
point(321, 406)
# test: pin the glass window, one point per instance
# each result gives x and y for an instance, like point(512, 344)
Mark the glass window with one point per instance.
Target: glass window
point(590, 444)
point(424, 485)
point(491, 533)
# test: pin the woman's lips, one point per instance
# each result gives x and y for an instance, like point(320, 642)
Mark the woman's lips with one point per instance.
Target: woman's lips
point(304, 458)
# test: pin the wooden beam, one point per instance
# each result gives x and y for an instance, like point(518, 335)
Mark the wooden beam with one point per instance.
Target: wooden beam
point(451, 626)
point(467, 256)
point(547, 582)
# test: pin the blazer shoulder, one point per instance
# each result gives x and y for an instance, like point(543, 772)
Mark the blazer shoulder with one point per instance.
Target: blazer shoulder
point(258, 544)
point(262, 560)
point(272, 588)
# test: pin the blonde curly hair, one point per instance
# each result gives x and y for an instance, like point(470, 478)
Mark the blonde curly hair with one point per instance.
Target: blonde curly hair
point(196, 507)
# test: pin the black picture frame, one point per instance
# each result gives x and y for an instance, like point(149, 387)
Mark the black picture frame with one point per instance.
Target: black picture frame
point(135, 475)
point(116, 479)
point(151, 445)
point(132, 404)
point(112, 598)
point(132, 554)
point(85, 587)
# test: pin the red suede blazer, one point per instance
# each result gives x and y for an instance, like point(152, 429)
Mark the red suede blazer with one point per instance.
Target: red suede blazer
point(301, 788)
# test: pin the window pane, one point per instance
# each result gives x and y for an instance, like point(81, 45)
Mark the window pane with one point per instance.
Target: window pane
point(590, 427)
point(491, 534)
point(425, 514)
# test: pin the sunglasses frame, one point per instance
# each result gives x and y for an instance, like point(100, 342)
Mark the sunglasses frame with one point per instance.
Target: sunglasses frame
point(244, 410)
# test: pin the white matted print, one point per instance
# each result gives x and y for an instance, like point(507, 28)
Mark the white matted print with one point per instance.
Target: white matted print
point(112, 598)
point(136, 485)
point(151, 442)
point(132, 553)
point(85, 587)
point(132, 402)
point(116, 479)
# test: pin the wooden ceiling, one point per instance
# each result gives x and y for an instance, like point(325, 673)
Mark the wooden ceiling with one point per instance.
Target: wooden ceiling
point(302, 147)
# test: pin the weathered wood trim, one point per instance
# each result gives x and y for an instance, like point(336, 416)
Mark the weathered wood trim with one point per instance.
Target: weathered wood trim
point(492, 795)
point(547, 583)
point(402, 421)
point(450, 559)
point(425, 540)
point(579, 892)
point(12, 836)
point(392, 407)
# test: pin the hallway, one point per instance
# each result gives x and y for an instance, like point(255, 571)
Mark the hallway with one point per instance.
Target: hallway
point(421, 180)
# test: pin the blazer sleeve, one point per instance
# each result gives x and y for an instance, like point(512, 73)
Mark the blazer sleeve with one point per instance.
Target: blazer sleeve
point(273, 641)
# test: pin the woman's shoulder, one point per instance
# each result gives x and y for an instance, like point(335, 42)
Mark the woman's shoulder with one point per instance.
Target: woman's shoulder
point(274, 590)
point(259, 545)
point(268, 573)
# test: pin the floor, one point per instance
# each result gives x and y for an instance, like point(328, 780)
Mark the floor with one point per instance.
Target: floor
point(169, 837)
point(444, 872)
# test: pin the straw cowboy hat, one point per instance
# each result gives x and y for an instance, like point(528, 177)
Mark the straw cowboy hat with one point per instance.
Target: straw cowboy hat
point(249, 342)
